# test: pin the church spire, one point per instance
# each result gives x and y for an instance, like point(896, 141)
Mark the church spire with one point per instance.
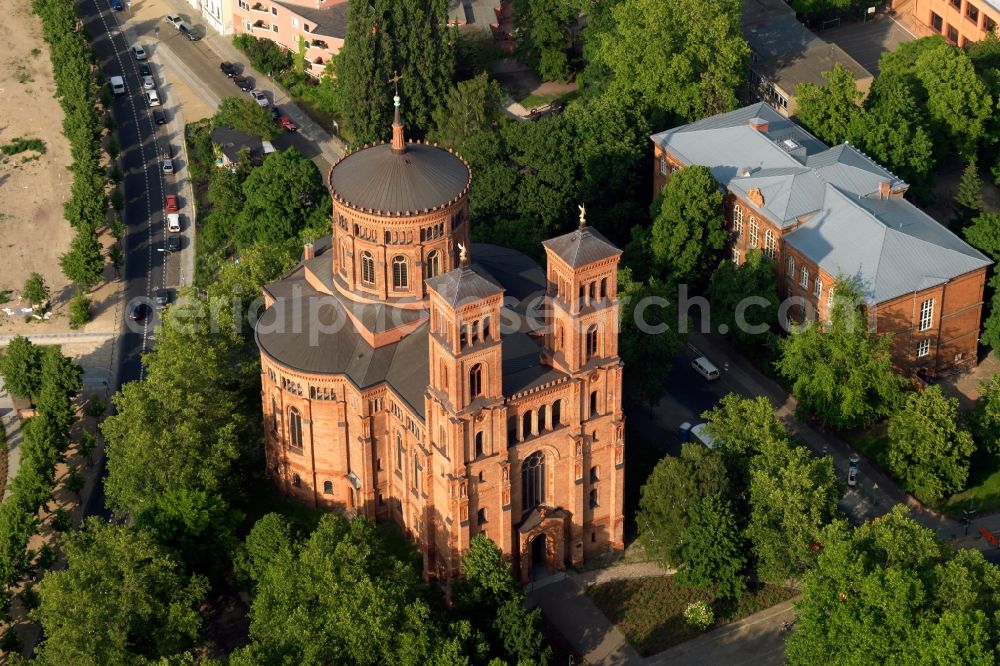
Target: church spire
point(398, 140)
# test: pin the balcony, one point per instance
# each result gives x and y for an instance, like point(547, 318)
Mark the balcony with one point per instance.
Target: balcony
point(260, 25)
point(260, 7)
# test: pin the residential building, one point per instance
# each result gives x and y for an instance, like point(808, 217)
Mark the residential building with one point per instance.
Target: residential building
point(959, 21)
point(218, 14)
point(231, 143)
point(784, 53)
point(455, 389)
point(319, 25)
point(822, 213)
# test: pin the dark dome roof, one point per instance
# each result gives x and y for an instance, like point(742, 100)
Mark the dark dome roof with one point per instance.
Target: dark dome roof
point(422, 177)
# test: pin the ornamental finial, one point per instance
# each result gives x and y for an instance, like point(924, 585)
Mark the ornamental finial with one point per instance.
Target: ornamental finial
point(583, 216)
point(463, 255)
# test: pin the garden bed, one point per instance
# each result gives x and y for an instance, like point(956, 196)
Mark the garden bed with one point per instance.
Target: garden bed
point(650, 611)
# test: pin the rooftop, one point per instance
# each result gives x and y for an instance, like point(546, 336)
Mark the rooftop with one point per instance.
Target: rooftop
point(231, 141)
point(330, 21)
point(581, 247)
point(830, 200)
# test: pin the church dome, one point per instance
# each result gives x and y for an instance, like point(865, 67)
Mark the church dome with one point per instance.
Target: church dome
point(383, 180)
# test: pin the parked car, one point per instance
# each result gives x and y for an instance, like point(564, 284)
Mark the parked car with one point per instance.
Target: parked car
point(174, 223)
point(173, 243)
point(162, 297)
point(697, 433)
point(228, 68)
point(159, 117)
point(170, 204)
point(152, 98)
point(138, 312)
point(189, 33)
point(852, 476)
point(287, 123)
point(117, 5)
point(168, 165)
point(705, 368)
point(148, 83)
point(138, 52)
point(260, 98)
point(276, 113)
point(144, 69)
point(118, 85)
point(174, 20)
point(243, 83)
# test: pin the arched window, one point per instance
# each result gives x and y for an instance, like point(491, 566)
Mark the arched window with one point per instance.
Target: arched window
point(294, 428)
point(595, 474)
point(770, 246)
point(593, 498)
point(526, 425)
point(274, 415)
point(444, 375)
point(593, 291)
point(400, 279)
point(465, 335)
point(533, 481)
point(476, 381)
point(752, 241)
point(368, 268)
point(328, 487)
point(486, 328)
point(296, 481)
point(556, 413)
point(474, 336)
point(592, 341)
point(511, 429)
point(416, 471)
point(604, 287)
point(399, 453)
point(479, 444)
point(593, 403)
point(541, 417)
point(433, 263)
point(559, 337)
point(481, 517)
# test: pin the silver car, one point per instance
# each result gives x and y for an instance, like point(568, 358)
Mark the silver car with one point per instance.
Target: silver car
point(148, 83)
point(168, 165)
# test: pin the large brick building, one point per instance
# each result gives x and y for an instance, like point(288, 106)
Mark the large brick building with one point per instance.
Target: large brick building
point(822, 213)
point(319, 27)
point(959, 21)
point(405, 380)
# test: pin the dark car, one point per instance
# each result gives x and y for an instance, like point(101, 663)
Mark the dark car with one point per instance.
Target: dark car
point(162, 297)
point(159, 117)
point(144, 70)
point(117, 5)
point(189, 33)
point(229, 69)
point(138, 312)
point(287, 123)
point(276, 113)
point(173, 243)
point(243, 83)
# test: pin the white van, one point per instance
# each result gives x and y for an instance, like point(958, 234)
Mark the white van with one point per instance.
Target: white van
point(118, 85)
point(705, 368)
point(173, 223)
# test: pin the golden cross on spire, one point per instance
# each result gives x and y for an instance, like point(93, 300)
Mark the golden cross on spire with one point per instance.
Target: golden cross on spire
point(395, 81)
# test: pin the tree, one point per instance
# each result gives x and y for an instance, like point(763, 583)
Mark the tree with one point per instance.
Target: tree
point(61, 381)
point(842, 373)
point(969, 198)
point(35, 289)
point(543, 28)
point(542, 152)
point(991, 327)
point(792, 497)
point(984, 234)
point(470, 107)
point(121, 600)
point(713, 548)
point(700, 53)
point(79, 308)
point(742, 428)
point(928, 451)
point(21, 366)
point(810, 7)
point(747, 322)
point(284, 195)
point(673, 487)
point(83, 264)
point(647, 337)
point(247, 116)
point(830, 109)
point(688, 228)
point(957, 99)
point(410, 37)
point(986, 417)
point(890, 592)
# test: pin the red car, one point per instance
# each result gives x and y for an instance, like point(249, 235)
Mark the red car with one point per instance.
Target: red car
point(287, 123)
point(171, 204)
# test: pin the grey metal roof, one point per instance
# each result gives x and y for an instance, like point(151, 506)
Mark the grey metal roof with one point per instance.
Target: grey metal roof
point(329, 21)
point(420, 178)
point(464, 285)
point(582, 247)
point(888, 244)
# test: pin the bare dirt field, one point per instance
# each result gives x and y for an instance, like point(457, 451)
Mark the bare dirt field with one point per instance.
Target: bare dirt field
point(34, 185)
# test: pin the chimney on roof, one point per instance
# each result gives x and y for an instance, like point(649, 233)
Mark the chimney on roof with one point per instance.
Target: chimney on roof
point(759, 124)
point(308, 252)
point(745, 171)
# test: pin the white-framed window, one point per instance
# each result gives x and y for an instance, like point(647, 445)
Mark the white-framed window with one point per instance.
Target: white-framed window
point(248, 26)
point(295, 22)
point(829, 298)
point(926, 314)
point(663, 165)
point(791, 267)
point(770, 244)
point(274, 27)
point(752, 242)
point(804, 277)
point(924, 348)
point(819, 288)
point(735, 255)
point(738, 219)
point(243, 5)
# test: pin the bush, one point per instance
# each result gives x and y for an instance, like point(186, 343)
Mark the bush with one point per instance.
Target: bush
point(265, 56)
point(29, 598)
point(117, 199)
point(110, 123)
point(10, 642)
point(79, 311)
point(75, 482)
point(88, 442)
point(46, 556)
point(61, 520)
point(35, 289)
point(699, 615)
point(112, 148)
point(95, 408)
point(115, 174)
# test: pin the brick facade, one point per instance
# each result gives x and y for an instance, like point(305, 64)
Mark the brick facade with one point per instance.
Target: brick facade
point(958, 21)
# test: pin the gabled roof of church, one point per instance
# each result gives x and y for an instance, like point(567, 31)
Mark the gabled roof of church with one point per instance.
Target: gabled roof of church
point(581, 247)
point(465, 284)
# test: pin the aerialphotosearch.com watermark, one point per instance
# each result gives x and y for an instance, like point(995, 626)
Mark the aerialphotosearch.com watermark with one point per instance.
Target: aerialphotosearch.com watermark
point(313, 317)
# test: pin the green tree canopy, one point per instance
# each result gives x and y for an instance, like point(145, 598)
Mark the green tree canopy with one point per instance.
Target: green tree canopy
point(986, 417)
point(648, 337)
point(890, 592)
point(984, 234)
point(699, 51)
point(121, 600)
point(688, 228)
point(928, 451)
point(969, 198)
point(730, 289)
point(841, 373)
point(957, 99)
point(713, 548)
point(830, 110)
point(673, 487)
point(246, 115)
point(35, 289)
point(83, 263)
point(742, 428)
point(21, 367)
point(544, 37)
point(469, 107)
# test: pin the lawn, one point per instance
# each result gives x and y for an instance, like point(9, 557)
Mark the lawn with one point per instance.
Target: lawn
point(875, 447)
point(536, 101)
point(983, 492)
point(649, 611)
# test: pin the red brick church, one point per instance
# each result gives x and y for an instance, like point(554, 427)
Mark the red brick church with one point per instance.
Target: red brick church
point(455, 389)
